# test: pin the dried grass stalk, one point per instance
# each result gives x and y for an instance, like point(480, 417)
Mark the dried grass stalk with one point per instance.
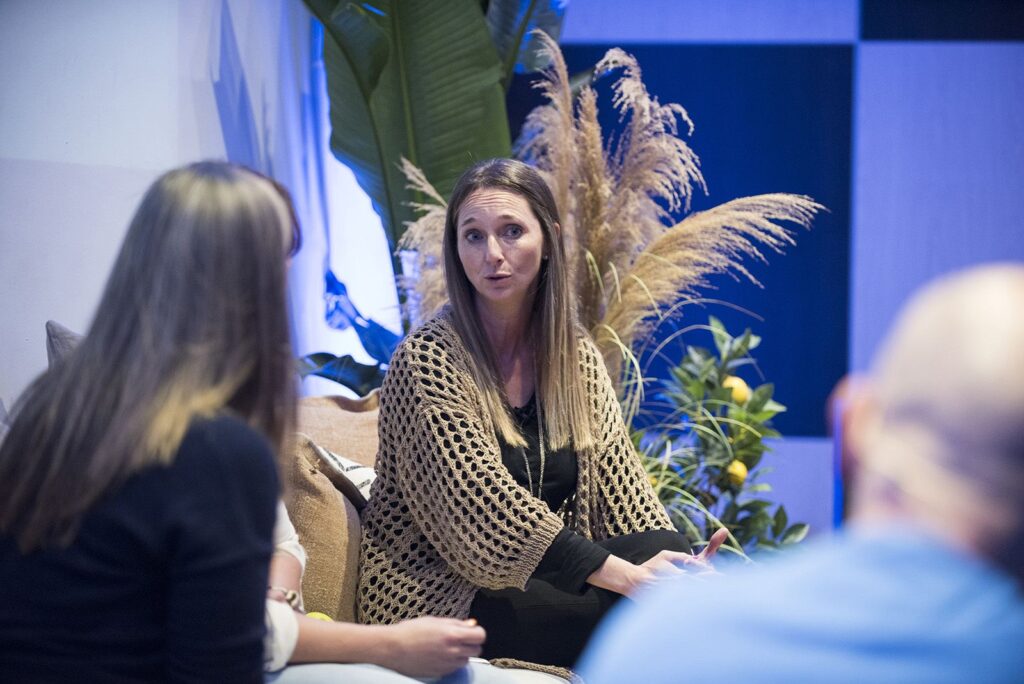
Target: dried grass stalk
point(677, 264)
point(423, 286)
point(592, 191)
point(547, 137)
point(655, 170)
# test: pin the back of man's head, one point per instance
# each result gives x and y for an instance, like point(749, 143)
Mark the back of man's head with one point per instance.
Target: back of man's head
point(948, 385)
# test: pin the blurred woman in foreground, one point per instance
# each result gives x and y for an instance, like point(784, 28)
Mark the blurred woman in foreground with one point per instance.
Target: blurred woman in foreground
point(137, 482)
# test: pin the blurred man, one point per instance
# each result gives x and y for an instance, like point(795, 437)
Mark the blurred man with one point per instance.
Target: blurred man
point(926, 584)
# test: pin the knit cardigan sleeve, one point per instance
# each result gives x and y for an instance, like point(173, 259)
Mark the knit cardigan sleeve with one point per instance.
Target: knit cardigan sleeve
point(626, 501)
point(482, 523)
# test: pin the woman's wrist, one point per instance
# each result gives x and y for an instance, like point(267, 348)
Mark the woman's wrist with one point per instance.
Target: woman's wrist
point(285, 595)
point(616, 574)
point(384, 643)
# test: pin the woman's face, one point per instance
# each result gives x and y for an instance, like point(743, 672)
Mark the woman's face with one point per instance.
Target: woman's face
point(501, 246)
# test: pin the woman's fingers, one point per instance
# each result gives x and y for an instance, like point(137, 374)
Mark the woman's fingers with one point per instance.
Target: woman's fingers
point(470, 632)
point(677, 559)
point(466, 651)
point(467, 639)
point(666, 567)
point(717, 539)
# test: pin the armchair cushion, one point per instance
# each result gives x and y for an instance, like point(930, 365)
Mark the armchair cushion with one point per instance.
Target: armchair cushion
point(323, 503)
point(328, 526)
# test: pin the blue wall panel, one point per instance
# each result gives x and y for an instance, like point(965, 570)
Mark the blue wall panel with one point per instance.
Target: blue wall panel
point(715, 21)
point(939, 180)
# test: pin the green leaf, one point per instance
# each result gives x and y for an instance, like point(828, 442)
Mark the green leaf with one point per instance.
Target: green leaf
point(699, 356)
point(722, 338)
point(511, 23)
point(415, 79)
point(796, 533)
point(781, 520)
point(753, 460)
point(696, 389)
point(740, 345)
point(760, 523)
point(760, 396)
point(353, 25)
point(722, 395)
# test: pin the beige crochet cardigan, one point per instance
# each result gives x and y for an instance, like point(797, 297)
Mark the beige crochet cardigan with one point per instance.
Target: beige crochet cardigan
point(446, 518)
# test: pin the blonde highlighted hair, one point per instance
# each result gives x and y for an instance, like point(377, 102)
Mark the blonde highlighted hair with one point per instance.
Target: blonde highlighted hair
point(193, 321)
point(553, 321)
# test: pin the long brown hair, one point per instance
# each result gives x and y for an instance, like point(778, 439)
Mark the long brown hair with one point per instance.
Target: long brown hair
point(553, 320)
point(193, 321)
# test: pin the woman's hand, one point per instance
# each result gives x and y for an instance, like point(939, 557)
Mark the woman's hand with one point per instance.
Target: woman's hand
point(675, 562)
point(621, 576)
point(431, 646)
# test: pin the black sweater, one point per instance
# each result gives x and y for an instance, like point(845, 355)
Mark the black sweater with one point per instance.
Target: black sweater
point(571, 558)
point(165, 580)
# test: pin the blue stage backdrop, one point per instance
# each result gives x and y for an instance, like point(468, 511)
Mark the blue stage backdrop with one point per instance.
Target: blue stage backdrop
point(768, 118)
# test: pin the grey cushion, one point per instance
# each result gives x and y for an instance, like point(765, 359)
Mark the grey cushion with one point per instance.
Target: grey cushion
point(59, 341)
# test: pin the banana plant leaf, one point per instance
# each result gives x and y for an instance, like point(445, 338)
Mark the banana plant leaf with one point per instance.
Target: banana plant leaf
point(416, 79)
point(511, 23)
point(361, 378)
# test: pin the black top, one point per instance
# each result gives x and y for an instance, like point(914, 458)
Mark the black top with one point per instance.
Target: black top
point(165, 580)
point(571, 558)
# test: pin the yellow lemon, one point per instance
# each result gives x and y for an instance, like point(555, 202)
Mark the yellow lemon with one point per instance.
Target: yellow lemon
point(737, 473)
point(319, 616)
point(740, 389)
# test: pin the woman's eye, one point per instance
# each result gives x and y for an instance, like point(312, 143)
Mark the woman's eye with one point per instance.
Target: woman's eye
point(471, 235)
point(514, 231)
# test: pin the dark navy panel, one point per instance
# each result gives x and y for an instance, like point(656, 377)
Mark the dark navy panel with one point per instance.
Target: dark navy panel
point(768, 119)
point(975, 20)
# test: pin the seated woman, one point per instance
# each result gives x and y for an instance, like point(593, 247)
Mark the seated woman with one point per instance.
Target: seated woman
point(507, 486)
point(138, 482)
point(138, 486)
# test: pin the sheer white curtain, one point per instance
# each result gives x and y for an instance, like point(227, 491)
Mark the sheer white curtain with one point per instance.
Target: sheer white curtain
point(273, 110)
point(118, 92)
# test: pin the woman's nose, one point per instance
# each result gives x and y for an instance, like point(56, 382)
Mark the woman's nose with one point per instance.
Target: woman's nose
point(494, 253)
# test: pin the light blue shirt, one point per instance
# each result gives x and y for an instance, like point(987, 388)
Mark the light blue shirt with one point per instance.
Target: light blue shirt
point(865, 607)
